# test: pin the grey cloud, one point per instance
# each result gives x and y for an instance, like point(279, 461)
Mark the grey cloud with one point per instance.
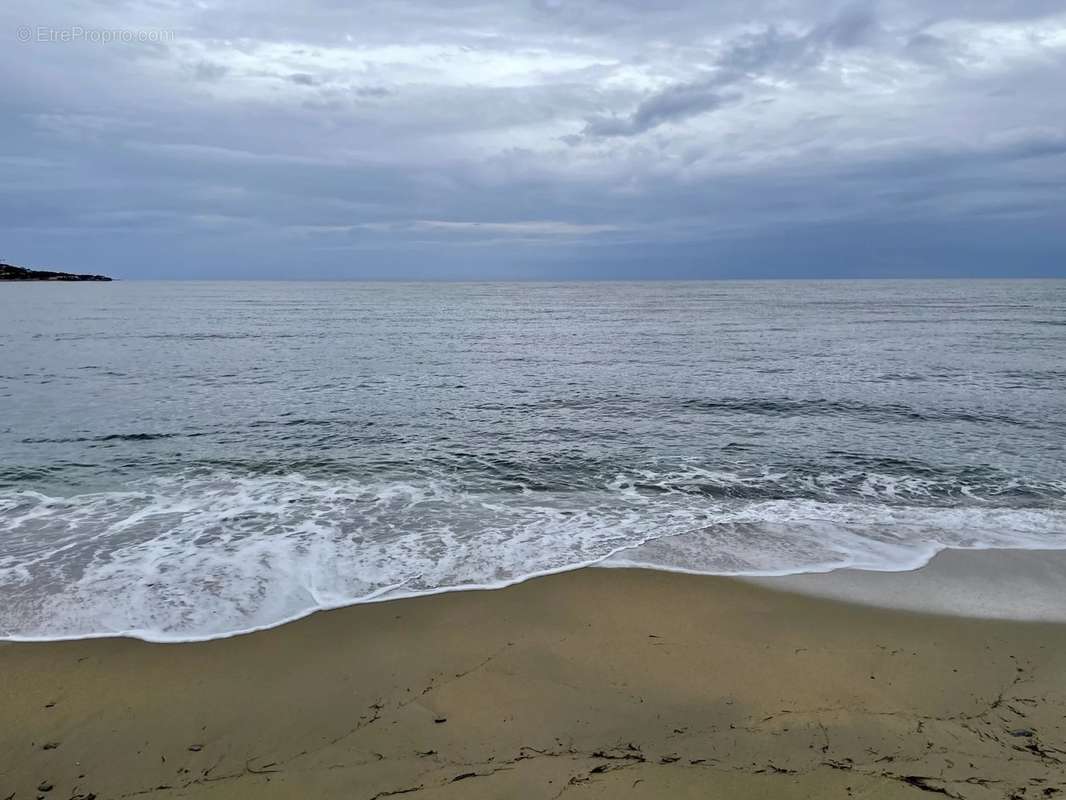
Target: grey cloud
point(675, 103)
point(926, 46)
point(372, 91)
point(209, 71)
point(755, 53)
point(852, 27)
point(442, 139)
point(747, 57)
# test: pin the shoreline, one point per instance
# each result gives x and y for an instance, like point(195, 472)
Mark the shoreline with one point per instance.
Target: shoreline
point(592, 683)
point(1021, 584)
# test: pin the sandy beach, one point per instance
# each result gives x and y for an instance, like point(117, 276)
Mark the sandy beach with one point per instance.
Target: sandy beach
point(596, 683)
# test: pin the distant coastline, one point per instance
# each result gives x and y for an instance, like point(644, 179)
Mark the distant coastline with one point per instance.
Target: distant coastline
point(9, 272)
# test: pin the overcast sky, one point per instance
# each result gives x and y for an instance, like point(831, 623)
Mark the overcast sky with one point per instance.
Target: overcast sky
point(534, 138)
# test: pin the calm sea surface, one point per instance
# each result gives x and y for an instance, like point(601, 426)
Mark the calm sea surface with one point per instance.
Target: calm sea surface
point(187, 460)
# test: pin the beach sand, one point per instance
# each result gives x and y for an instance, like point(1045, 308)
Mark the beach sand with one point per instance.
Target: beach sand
point(591, 684)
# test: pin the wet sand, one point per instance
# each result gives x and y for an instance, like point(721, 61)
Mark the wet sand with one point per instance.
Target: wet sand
point(993, 584)
point(591, 684)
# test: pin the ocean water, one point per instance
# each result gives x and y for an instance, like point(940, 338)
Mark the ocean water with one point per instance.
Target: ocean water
point(183, 461)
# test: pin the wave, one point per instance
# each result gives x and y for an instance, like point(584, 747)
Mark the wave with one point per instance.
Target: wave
point(199, 556)
point(769, 407)
point(111, 437)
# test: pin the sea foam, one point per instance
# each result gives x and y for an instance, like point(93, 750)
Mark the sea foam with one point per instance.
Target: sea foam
point(200, 556)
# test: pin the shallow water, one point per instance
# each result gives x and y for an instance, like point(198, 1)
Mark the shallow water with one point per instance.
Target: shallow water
point(188, 460)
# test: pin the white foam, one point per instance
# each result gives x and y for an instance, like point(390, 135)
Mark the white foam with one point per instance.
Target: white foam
point(196, 557)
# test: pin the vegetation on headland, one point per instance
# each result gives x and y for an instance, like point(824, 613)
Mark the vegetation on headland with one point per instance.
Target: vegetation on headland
point(9, 272)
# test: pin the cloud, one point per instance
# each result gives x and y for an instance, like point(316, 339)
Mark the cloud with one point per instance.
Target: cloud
point(372, 91)
point(522, 228)
point(675, 103)
point(209, 71)
point(743, 59)
point(569, 136)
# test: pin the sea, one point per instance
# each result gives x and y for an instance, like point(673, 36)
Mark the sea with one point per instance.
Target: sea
point(191, 460)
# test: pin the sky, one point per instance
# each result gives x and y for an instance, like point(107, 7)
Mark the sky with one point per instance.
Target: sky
point(534, 139)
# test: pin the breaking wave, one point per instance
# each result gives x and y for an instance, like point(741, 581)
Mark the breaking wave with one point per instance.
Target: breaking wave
point(193, 556)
